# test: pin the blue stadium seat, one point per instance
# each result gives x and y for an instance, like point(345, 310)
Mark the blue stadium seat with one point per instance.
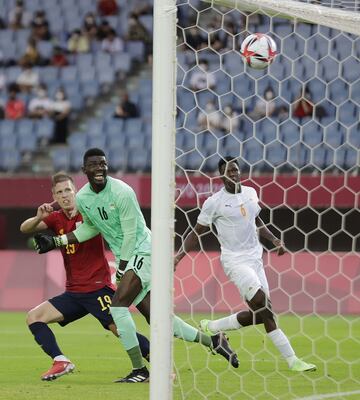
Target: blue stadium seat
point(95, 127)
point(61, 159)
point(338, 91)
point(299, 155)
point(185, 99)
point(106, 75)
point(194, 161)
point(121, 62)
point(136, 49)
point(45, 48)
point(348, 113)
point(133, 126)
point(334, 135)
point(26, 141)
point(312, 134)
point(243, 85)
point(289, 132)
point(350, 71)
point(117, 159)
point(44, 129)
point(25, 126)
point(354, 136)
point(87, 74)
point(96, 141)
point(232, 63)
point(341, 47)
point(321, 156)
point(346, 157)
point(7, 126)
point(84, 60)
point(90, 89)
point(76, 160)
point(328, 69)
point(253, 151)
point(68, 74)
point(10, 160)
point(49, 74)
point(137, 161)
point(135, 141)
point(114, 126)
point(77, 141)
point(276, 154)
point(7, 140)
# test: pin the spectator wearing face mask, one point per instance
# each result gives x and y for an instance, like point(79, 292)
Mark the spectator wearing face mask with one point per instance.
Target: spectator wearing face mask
point(229, 122)
point(28, 78)
point(41, 105)
point(264, 107)
point(201, 79)
point(19, 18)
point(61, 108)
point(211, 118)
point(78, 42)
point(112, 43)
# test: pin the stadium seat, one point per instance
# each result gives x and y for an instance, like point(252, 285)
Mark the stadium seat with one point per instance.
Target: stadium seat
point(7, 140)
point(117, 159)
point(348, 113)
point(136, 49)
point(10, 160)
point(121, 62)
point(354, 136)
point(61, 159)
point(276, 154)
point(299, 155)
point(334, 135)
point(77, 141)
point(44, 129)
point(133, 126)
point(26, 141)
point(312, 134)
point(253, 151)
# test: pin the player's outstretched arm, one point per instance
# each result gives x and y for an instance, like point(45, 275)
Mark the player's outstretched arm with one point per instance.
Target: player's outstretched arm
point(265, 233)
point(44, 243)
point(190, 242)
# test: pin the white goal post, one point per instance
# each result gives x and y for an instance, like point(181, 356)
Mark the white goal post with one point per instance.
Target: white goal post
point(163, 159)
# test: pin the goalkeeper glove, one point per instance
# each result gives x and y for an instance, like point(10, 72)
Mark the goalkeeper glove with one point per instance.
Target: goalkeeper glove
point(119, 274)
point(44, 243)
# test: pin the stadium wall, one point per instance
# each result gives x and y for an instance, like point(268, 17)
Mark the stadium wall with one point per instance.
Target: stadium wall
point(326, 283)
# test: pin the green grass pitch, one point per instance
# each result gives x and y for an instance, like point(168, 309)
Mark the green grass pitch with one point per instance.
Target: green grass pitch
point(330, 342)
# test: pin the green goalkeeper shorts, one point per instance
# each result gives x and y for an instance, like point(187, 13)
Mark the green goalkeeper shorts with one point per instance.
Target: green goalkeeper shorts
point(141, 265)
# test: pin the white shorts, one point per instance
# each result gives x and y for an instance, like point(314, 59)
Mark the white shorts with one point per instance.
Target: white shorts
point(247, 274)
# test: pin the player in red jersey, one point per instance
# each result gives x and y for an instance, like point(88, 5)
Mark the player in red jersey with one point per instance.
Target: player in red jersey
point(88, 281)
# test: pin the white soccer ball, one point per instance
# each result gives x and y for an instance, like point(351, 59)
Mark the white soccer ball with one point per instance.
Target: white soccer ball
point(258, 50)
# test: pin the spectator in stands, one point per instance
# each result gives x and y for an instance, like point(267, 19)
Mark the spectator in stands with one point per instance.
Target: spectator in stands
point(229, 122)
point(61, 108)
point(126, 108)
point(14, 107)
point(41, 105)
point(59, 58)
point(112, 43)
point(103, 30)
point(194, 39)
point(211, 119)
point(40, 26)
point(200, 79)
point(137, 31)
point(107, 7)
point(19, 18)
point(31, 55)
point(90, 27)
point(28, 79)
point(303, 106)
point(283, 113)
point(264, 107)
point(78, 42)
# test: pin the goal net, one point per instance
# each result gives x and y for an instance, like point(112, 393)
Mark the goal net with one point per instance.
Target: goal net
point(294, 129)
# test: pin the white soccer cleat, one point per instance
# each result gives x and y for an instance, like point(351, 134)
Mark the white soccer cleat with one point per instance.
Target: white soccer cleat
point(302, 366)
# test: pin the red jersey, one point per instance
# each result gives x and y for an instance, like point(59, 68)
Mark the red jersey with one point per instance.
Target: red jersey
point(85, 264)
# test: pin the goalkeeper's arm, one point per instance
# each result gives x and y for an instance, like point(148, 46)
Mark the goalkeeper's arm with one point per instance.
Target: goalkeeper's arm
point(44, 243)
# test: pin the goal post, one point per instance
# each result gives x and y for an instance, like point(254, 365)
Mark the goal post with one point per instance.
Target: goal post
point(162, 198)
point(305, 171)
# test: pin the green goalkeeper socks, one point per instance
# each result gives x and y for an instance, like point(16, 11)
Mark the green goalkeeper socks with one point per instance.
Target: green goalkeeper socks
point(183, 330)
point(127, 331)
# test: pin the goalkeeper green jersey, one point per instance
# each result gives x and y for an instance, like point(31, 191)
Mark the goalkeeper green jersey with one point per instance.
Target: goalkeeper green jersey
point(115, 213)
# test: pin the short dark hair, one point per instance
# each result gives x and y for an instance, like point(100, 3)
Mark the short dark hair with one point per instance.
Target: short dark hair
point(224, 160)
point(93, 152)
point(60, 177)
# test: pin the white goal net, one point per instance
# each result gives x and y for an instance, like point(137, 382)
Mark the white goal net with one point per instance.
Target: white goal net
point(294, 129)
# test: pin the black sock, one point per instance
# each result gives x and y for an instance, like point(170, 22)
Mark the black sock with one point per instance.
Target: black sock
point(45, 338)
point(144, 344)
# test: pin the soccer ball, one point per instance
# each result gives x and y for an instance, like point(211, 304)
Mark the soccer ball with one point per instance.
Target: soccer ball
point(258, 50)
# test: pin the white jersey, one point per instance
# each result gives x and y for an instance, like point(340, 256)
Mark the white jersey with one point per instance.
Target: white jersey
point(234, 218)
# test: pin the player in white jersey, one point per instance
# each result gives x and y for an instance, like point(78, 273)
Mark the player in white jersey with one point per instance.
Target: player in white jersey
point(234, 211)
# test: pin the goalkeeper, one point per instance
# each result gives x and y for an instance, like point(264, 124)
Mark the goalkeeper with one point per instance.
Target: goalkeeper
point(110, 207)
